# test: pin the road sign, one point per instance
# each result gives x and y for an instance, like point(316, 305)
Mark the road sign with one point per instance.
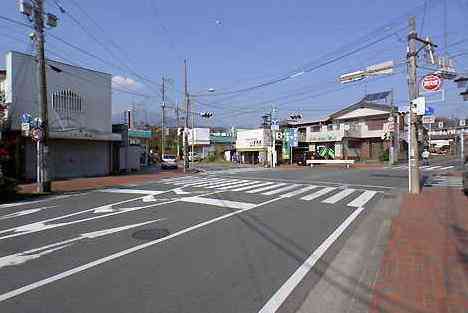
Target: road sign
point(275, 124)
point(37, 134)
point(428, 119)
point(26, 118)
point(431, 83)
point(420, 104)
point(36, 123)
point(429, 111)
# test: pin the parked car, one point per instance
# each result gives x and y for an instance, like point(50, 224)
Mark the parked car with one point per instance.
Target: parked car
point(168, 161)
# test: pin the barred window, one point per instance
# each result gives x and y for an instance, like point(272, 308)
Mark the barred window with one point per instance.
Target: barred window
point(67, 101)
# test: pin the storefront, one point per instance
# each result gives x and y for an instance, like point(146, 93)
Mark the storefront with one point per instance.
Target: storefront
point(253, 145)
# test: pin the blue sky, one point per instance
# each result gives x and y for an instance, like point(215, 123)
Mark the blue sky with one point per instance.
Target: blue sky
point(232, 45)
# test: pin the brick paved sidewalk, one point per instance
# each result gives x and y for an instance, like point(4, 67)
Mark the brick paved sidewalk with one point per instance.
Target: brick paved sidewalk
point(79, 184)
point(425, 266)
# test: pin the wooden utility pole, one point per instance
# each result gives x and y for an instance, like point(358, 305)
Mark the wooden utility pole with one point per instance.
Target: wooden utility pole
point(187, 104)
point(413, 151)
point(43, 182)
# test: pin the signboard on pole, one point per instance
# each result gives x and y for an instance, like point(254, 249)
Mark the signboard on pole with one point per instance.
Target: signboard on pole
point(37, 134)
point(428, 119)
point(431, 83)
point(274, 124)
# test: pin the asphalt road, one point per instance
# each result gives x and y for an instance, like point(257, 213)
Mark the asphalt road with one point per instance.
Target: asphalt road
point(226, 241)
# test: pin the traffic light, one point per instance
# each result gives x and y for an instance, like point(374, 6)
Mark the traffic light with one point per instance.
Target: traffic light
point(295, 116)
point(206, 114)
point(462, 82)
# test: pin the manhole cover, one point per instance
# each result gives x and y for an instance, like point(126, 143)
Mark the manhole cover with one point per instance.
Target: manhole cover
point(151, 234)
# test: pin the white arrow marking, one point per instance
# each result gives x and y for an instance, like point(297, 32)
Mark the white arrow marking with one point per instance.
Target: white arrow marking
point(25, 256)
point(179, 191)
point(25, 212)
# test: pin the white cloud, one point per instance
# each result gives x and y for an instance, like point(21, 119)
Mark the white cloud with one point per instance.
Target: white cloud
point(124, 82)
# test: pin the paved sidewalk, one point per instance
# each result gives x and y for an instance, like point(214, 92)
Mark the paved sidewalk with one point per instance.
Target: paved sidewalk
point(425, 266)
point(79, 184)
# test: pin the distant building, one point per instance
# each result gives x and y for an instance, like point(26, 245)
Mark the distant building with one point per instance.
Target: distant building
point(444, 133)
point(80, 129)
point(360, 131)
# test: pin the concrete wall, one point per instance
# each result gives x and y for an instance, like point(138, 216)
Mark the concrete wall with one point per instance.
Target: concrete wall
point(93, 87)
point(71, 158)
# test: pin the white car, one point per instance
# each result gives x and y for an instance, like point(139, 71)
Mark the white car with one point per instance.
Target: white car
point(168, 161)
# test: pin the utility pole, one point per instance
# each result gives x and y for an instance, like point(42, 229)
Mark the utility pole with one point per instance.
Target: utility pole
point(178, 126)
point(413, 151)
point(43, 182)
point(193, 134)
point(163, 107)
point(187, 100)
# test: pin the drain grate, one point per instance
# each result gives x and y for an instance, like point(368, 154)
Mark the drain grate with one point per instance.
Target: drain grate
point(151, 234)
point(389, 196)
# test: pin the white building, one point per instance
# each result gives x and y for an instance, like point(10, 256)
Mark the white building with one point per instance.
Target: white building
point(79, 113)
point(200, 137)
point(253, 145)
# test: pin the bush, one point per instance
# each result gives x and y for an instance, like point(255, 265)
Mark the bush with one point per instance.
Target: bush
point(212, 157)
point(384, 155)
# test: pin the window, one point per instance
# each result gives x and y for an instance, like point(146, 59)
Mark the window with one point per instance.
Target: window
point(67, 101)
point(375, 124)
point(315, 129)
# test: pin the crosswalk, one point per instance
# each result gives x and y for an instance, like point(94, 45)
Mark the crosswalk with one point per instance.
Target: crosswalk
point(444, 181)
point(304, 192)
point(427, 168)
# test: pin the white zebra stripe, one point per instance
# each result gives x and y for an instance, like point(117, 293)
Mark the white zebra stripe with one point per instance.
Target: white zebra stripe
point(240, 185)
point(266, 188)
point(298, 192)
point(227, 183)
point(274, 192)
point(319, 193)
point(360, 201)
point(340, 195)
point(253, 186)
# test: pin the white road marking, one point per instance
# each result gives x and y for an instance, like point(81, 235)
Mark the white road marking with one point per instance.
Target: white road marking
point(174, 179)
point(424, 167)
point(209, 182)
point(446, 168)
point(42, 225)
point(266, 188)
point(274, 303)
point(227, 184)
point(179, 191)
point(340, 195)
point(253, 186)
point(317, 194)
point(132, 191)
point(433, 168)
point(191, 181)
point(220, 203)
point(274, 192)
point(10, 205)
point(76, 270)
point(25, 212)
point(25, 256)
point(20, 258)
point(298, 192)
point(252, 182)
point(362, 199)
